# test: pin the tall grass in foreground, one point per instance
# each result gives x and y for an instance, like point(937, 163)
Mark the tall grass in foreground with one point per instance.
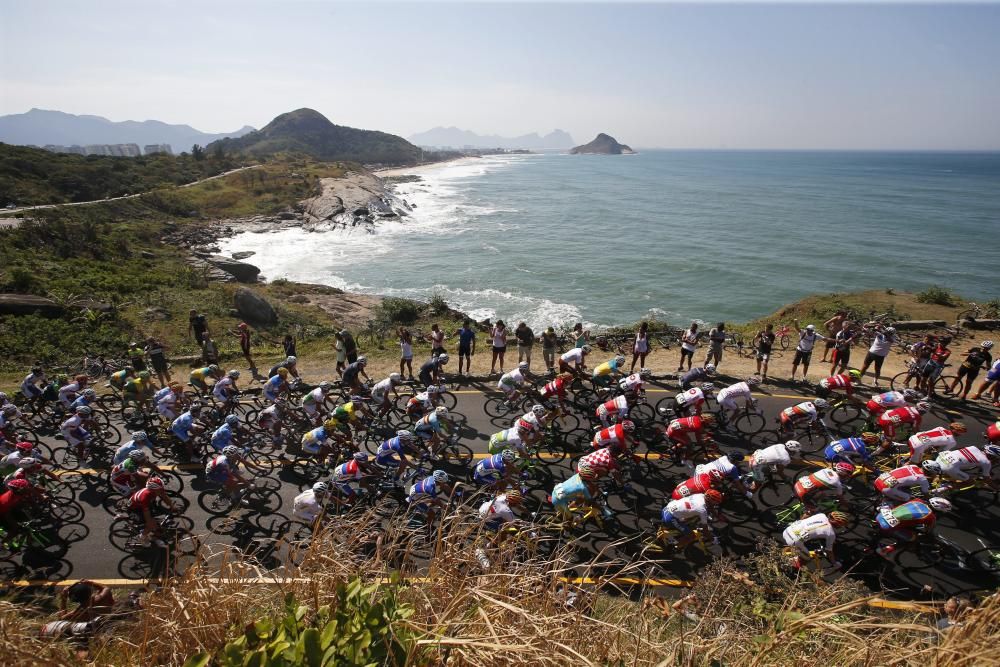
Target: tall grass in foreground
point(521, 613)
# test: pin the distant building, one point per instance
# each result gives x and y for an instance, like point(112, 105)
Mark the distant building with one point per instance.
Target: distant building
point(119, 150)
point(150, 149)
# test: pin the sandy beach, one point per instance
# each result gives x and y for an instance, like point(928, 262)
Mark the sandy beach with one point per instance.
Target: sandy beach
point(421, 168)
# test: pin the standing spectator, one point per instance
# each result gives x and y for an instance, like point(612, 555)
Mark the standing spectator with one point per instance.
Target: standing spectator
point(689, 342)
point(833, 326)
point(716, 339)
point(550, 344)
point(209, 351)
point(198, 325)
point(405, 351)
point(466, 346)
point(934, 366)
point(136, 357)
point(765, 341)
point(499, 335)
point(350, 347)
point(842, 343)
point(437, 341)
point(640, 348)
point(158, 359)
point(288, 343)
point(879, 350)
point(242, 332)
point(582, 337)
point(525, 341)
point(975, 359)
point(804, 349)
point(992, 379)
point(338, 346)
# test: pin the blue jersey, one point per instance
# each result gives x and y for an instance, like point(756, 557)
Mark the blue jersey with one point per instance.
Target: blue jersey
point(430, 423)
point(222, 437)
point(122, 452)
point(572, 489)
point(80, 401)
point(183, 423)
point(161, 394)
point(316, 435)
point(425, 487)
point(392, 445)
point(274, 385)
point(693, 375)
point(495, 462)
point(847, 448)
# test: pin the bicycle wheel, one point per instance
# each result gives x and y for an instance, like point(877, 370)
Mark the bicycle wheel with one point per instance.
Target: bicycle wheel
point(214, 501)
point(986, 560)
point(497, 407)
point(901, 381)
point(457, 454)
point(666, 408)
point(783, 341)
point(67, 458)
point(449, 400)
point(566, 423)
point(750, 423)
point(942, 386)
point(642, 413)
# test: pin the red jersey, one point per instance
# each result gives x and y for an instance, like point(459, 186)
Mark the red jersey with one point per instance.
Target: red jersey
point(9, 501)
point(685, 425)
point(142, 499)
point(555, 388)
point(603, 461)
point(697, 484)
point(613, 436)
point(906, 476)
point(842, 381)
point(896, 416)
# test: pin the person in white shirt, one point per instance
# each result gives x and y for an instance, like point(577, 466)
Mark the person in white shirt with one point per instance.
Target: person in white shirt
point(778, 456)
point(310, 504)
point(879, 350)
point(804, 349)
point(814, 528)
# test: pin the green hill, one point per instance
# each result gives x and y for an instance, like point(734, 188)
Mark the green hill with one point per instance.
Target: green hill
point(309, 132)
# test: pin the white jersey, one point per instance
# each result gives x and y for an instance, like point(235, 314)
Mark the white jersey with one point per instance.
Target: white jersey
point(773, 455)
point(314, 397)
point(633, 382)
point(619, 404)
point(937, 438)
point(68, 392)
point(496, 509)
point(889, 399)
point(528, 422)
point(382, 388)
point(269, 415)
point(74, 422)
point(221, 389)
point(690, 508)
point(958, 462)
point(692, 396)
point(734, 391)
point(574, 356)
point(722, 464)
point(815, 527)
point(32, 380)
point(305, 507)
point(511, 380)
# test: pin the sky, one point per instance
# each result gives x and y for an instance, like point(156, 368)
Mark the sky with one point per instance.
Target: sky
point(694, 75)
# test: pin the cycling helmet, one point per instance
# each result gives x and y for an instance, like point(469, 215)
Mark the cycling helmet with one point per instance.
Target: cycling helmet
point(821, 404)
point(931, 467)
point(443, 358)
point(233, 420)
point(196, 407)
point(508, 456)
point(331, 423)
point(735, 457)
point(708, 420)
point(325, 386)
point(855, 374)
point(144, 375)
point(587, 473)
point(628, 426)
point(838, 519)
point(538, 409)
point(18, 485)
point(986, 344)
point(793, 446)
point(154, 484)
point(513, 496)
point(405, 436)
point(753, 381)
point(280, 404)
point(923, 406)
point(890, 330)
point(36, 369)
point(137, 455)
point(291, 361)
point(83, 379)
point(395, 378)
point(584, 468)
point(957, 427)
point(585, 349)
point(230, 451)
point(3, 396)
point(24, 446)
point(234, 374)
point(713, 497)
point(283, 373)
point(911, 394)
point(707, 387)
point(360, 457)
point(992, 451)
point(10, 409)
point(437, 389)
point(870, 438)
point(28, 462)
point(810, 327)
point(715, 475)
point(844, 469)
point(440, 476)
point(320, 488)
point(89, 394)
point(441, 411)
point(214, 368)
point(80, 410)
point(710, 369)
point(523, 366)
point(619, 360)
point(940, 504)
point(362, 360)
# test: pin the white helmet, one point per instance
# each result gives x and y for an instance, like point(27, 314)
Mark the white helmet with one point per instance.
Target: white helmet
point(923, 406)
point(395, 378)
point(911, 394)
point(931, 467)
point(320, 488)
point(710, 369)
point(405, 436)
point(940, 504)
point(440, 476)
point(234, 374)
point(362, 360)
point(620, 359)
point(585, 349)
point(523, 366)
point(707, 387)
point(821, 404)
point(986, 344)
point(441, 411)
point(443, 358)
point(753, 381)
point(793, 446)
point(291, 361)
point(538, 409)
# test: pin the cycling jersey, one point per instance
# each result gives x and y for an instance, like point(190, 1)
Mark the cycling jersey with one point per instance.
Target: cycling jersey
point(894, 484)
point(686, 509)
point(423, 491)
point(268, 417)
point(305, 507)
point(882, 402)
point(201, 374)
point(618, 405)
point(528, 423)
point(181, 427)
point(5, 420)
point(73, 431)
point(842, 381)
point(815, 527)
point(123, 474)
point(566, 492)
point(224, 389)
point(723, 465)
point(936, 438)
point(313, 441)
point(511, 380)
point(727, 397)
point(609, 367)
point(692, 398)
point(136, 387)
point(700, 483)
point(613, 436)
point(496, 512)
point(804, 412)
point(350, 471)
point(273, 387)
point(694, 375)
point(957, 463)
point(850, 450)
point(573, 357)
point(678, 429)
point(118, 379)
point(313, 398)
point(507, 439)
point(381, 390)
point(773, 455)
point(68, 393)
point(556, 387)
point(162, 393)
point(633, 382)
point(222, 437)
point(430, 425)
point(891, 420)
point(143, 499)
point(390, 450)
point(915, 514)
point(602, 461)
point(993, 433)
point(220, 469)
point(490, 470)
point(166, 402)
point(825, 480)
point(346, 412)
point(33, 384)
point(123, 452)
point(81, 401)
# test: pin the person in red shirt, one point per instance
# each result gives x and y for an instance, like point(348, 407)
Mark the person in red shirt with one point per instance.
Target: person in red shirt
point(19, 493)
point(141, 505)
point(932, 370)
point(698, 484)
point(242, 332)
point(678, 432)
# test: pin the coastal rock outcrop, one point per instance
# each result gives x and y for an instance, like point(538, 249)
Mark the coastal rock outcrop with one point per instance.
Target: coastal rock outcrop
point(254, 307)
point(28, 304)
point(603, 144)
point(243, 272)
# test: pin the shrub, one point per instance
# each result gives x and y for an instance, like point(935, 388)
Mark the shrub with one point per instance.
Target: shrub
point(398, 311)
point(22, 279)
point(438, 305)
point(937, 295)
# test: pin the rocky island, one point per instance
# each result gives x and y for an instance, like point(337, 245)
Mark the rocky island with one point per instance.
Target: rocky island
point(603, 144)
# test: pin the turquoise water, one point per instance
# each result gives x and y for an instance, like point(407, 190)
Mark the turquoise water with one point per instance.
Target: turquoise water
point(556, 238)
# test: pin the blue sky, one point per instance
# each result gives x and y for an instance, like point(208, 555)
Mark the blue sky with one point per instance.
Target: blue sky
point(707, 75)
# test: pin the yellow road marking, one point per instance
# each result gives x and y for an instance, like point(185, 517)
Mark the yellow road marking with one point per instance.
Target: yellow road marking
point(648, 391)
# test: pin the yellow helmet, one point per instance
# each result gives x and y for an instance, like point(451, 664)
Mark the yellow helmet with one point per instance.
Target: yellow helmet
point(331, 423)
point(283, 372)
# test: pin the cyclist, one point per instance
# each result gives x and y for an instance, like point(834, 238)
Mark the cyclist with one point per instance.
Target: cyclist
point(696, 374)
point(880, 403)
point(431, 370)
point(908, 522)
point(318, 443)
point(618, 437)
point(574, 361)
point(22, 450)
point(187, 428)
point(314, 403)
point(224, 469)
point(690, 402)
point(138, 440)
point(603, 462)
point(424, 402)
point(34, 383)
point(509, 438)
point(277, 386)
point(812, 529)
point(700, 508)
point(310, 505)
point(8, 413)
point(992, 434)
point(353, 372)
point(86, 397)
point(604, 374)
point(429, 494)
point(77, 431)
point(895, 484)
point(822, 483)
point(556, 389)
point(778, 456)
point(636, 382)
point(532, 424)
point(118, 379)
point(992, 380)
point(431, 428)
point(729, 396)
point(70, 391)
point(805, 414)
point(699, 483)
point(127, 477)
point(380, 392)
point(393, 452)
point(975, 359)
point(616, 409)
point(225, 390)
point(31, 469)
point(19, 493)
point(199, 377)
point(844, 382)
point(581, 487)
point(227, 434)
point(940, 438)
point(271, 420)
point(728, 465)
point(513, 381)
point(896, 420)
point(496, 471)
point(955, 465)
point(139, 390)
point(356, 471)
point(290, 364)
point(141, 505)
point(352, 414)
point(852, 450)
point(499, 511)
point(679, 431)
point(166, 400)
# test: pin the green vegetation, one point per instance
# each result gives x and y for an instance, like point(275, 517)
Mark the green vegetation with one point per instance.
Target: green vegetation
point(938, 295)
point(398, 311)
point(31, 176)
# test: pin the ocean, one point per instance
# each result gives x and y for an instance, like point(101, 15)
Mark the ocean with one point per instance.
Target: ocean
point(680, 235)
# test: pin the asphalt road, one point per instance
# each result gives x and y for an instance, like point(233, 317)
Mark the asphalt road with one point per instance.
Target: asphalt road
point(87, 551)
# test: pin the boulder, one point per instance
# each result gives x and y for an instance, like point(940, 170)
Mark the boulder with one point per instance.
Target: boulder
point(254, 307)
point(243, 272)
point(28, 304)
point(156, 313)
point(980, 324)
point(286, 215)
point(243, 254)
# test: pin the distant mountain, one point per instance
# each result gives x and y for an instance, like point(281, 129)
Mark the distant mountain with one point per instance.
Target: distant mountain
point(307, 131)
point(40, 127)
point(603, 144)
point(452, 137)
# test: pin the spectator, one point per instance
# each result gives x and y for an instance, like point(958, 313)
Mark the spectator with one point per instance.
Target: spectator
point(350, 347)
point(716, 339)
point(879, 350)
point(992, 379)
point(804, 349)
point(158, 360)
point(288, 343)
point(833, 326)
point(689, 342)
point(525, 341)
point(136, 357)
point(550, 345)
point(842, 348)
point(765, 341)
point(499, 335)
point(405, 351)
point(955, 609)
point(640, 348)
point(198, 325)
point(466, 346)
point(582, 337)
point(437, 340)
point(934, 366)
point(93, 600)
point(209, 351)
point(338, 345)
point(242, 332)
point(975, 359)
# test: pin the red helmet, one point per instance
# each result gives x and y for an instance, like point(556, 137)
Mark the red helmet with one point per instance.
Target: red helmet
point(713, 497)
point(844, 469)
point(24, 446)
point(18, 485)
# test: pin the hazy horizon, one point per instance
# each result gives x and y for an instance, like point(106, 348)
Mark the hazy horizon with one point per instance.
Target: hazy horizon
point(676, 76)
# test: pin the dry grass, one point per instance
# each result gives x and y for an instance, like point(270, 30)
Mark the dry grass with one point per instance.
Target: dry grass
point(736, 614)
